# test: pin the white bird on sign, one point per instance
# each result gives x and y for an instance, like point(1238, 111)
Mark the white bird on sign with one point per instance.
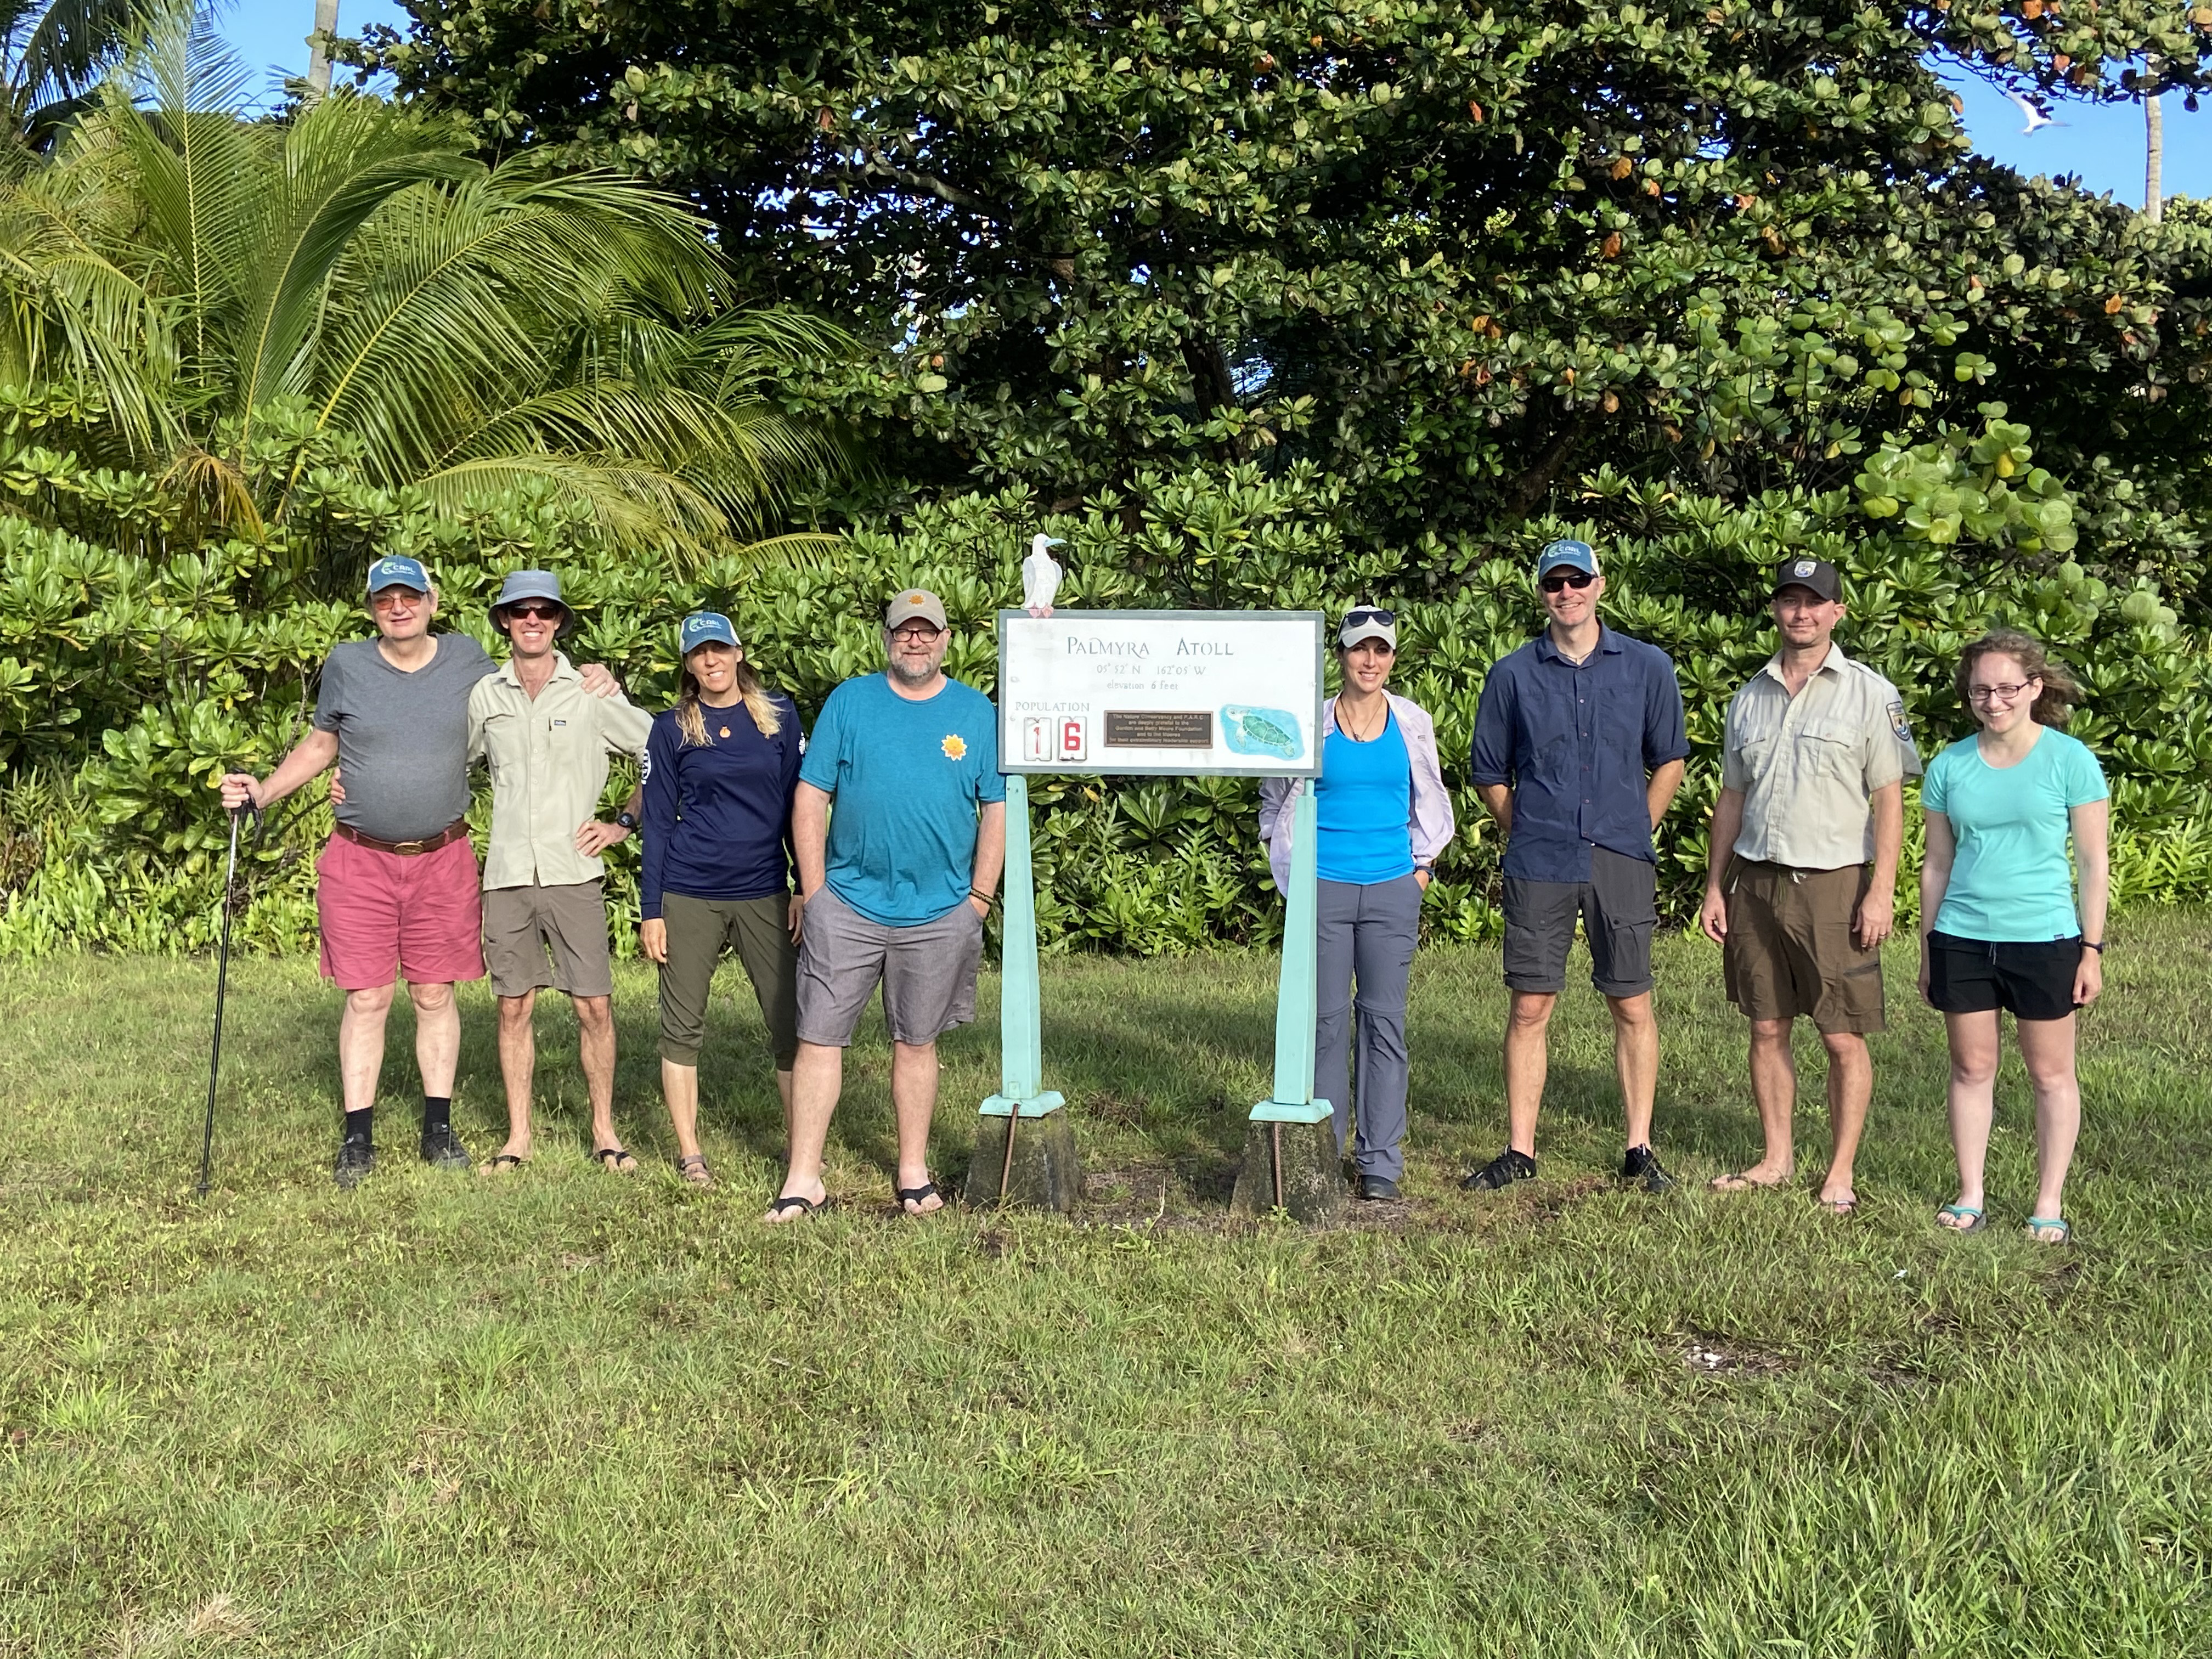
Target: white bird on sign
point(2036, 116)
point(1040, 574)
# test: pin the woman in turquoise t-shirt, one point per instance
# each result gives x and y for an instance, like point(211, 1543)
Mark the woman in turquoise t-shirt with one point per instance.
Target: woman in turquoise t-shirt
point(2001, 925)
point(1381, 816)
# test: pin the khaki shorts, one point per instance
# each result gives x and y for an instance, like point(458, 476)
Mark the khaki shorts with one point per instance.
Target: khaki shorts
point(699, 931)
point(522, 926)
point(1790, 949)
point(927, 972)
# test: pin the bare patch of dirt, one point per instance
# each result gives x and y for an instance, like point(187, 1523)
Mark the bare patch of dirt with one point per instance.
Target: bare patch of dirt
point(1710, 1355)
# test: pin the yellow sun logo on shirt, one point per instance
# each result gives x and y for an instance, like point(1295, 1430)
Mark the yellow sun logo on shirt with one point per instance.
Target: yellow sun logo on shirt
point(954, 747)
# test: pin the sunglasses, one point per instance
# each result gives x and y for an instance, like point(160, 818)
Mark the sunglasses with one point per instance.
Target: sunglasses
point(536, 612)
point(1361, 617)
point(1578, 581)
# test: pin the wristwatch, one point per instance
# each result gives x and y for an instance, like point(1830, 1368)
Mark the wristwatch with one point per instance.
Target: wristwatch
point(627, 820)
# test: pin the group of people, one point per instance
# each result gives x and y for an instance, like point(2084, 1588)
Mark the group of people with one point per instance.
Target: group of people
point(1579, 748)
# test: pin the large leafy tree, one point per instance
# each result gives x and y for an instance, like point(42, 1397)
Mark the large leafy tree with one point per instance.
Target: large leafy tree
point(233, 304)
point(53, 56)
point(1457, 254)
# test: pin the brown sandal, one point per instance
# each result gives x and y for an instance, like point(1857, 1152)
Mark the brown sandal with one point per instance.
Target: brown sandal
point(694, 1171)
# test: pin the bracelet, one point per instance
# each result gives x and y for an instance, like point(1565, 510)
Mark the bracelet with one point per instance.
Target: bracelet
point(977, 892)
point(2098, 945)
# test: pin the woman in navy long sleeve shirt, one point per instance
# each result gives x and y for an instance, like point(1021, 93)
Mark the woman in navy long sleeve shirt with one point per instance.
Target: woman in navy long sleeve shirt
point(720, 770)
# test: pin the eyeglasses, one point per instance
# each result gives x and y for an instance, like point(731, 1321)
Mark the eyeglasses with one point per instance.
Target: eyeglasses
point(2001, 693)
point(1578, 581)
point(536, 612)
point(385, 598)
point(1366, 615)
point(917, 632)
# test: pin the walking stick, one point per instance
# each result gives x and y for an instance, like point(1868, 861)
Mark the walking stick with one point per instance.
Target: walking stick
point(221, 982)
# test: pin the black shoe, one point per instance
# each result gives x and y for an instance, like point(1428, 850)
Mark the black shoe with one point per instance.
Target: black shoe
point(1508, 1166)
point(1641, 1167)
point(356, 1158)
point(1377, 1189)
point(442, 1148)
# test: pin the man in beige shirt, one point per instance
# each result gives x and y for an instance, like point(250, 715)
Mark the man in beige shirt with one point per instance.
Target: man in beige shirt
point(1802, 868)
point(546, 740)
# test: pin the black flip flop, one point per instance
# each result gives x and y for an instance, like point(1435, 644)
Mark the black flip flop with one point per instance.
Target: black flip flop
point(907, 1195)
point(806, 1206)
point(499, 1163)
point(611, 1157)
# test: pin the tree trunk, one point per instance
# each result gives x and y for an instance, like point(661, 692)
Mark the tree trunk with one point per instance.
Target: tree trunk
point(318, 60)
point(2154, 154)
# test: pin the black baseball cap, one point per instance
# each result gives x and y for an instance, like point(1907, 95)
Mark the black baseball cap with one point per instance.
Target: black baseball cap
point(1817, 575)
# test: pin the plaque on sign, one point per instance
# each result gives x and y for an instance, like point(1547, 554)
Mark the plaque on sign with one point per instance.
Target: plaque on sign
point(1159, 728)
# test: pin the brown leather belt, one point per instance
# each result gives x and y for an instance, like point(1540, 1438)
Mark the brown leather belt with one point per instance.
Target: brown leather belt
point(457, 830)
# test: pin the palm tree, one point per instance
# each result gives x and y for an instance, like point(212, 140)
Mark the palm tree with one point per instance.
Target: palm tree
point(53, 56)
point(465, 328)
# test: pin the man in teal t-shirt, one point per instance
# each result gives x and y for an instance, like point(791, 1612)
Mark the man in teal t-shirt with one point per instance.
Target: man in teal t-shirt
point(898, 880)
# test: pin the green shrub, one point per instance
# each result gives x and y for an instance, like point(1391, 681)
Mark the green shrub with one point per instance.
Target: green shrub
point(128, 682)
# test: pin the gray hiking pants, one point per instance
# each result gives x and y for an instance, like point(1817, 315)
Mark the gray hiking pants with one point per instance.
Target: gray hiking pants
point(1368, 933)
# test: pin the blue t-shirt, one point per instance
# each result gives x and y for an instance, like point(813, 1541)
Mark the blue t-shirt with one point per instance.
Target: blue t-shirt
point(908, 777)
point(1364, 807)
point(1575, 741)
point(2011, 879)
point(717, 820)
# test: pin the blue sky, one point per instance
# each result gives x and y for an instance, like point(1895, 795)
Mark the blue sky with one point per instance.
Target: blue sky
point(2102, 142)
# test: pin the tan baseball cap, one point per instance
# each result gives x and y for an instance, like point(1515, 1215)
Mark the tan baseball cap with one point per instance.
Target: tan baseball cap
point(912, 603)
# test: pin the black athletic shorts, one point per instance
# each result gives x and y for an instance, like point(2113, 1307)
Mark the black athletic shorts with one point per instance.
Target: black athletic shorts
point(2034, 978)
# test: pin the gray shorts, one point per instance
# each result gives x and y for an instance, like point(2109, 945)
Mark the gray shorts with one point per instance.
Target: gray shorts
point(927, 972)
point(1620, 908)
point(522, 926)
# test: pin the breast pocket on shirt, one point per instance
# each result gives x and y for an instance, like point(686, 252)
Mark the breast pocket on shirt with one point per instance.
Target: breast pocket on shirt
point(1829, 748)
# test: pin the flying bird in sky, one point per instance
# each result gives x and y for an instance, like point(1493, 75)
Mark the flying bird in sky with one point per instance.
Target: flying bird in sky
point(1040, 574)
point(2036, 116)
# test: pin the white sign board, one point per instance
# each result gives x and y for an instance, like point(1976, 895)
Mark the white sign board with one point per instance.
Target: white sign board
point(1175, 692)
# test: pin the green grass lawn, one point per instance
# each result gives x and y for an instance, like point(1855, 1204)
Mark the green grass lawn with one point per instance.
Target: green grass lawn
point(569, 1414)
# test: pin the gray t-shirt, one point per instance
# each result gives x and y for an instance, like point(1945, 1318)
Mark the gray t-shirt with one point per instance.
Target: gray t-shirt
point(403, 739)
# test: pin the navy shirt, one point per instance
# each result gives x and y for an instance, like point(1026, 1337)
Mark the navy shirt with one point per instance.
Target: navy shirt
point(1574, 742)
point(718, 820)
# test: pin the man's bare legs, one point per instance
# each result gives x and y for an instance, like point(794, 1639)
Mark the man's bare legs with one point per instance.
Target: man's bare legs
point(1527, 1022)
point(517, 1066)
point(1636, 1062)
point(361, 1041)
point(817, 1076)
point(1774, 1089)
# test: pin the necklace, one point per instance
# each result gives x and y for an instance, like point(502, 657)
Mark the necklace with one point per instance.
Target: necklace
point(1353, 733)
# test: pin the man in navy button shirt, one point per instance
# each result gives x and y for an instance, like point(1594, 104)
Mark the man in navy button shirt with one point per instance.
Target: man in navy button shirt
point(1578, 748)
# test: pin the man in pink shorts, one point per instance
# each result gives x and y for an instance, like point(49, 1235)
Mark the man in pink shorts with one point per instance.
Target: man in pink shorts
point(396, 894)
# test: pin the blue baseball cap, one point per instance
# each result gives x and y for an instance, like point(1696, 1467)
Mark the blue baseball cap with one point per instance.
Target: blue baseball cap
point(703, 627)
point(1566, 553)
point(397, 573)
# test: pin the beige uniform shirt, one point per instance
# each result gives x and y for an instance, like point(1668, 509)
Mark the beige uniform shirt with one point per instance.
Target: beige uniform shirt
point(549, 767)
point(1808, 765)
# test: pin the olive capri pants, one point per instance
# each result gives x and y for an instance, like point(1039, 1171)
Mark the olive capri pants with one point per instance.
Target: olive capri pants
point(699, 931)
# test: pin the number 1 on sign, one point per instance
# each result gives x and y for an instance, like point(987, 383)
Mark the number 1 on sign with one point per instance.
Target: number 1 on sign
point(1050, 738)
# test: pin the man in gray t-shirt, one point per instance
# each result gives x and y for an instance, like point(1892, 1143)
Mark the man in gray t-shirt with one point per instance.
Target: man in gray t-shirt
point(397, 893)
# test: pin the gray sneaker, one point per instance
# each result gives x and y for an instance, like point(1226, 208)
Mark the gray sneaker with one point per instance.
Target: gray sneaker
point(356, 1158)
point(442, 1148)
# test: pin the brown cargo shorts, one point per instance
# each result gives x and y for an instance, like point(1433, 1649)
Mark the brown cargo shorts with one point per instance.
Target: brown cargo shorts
point(1790, 949)
point(522, 926)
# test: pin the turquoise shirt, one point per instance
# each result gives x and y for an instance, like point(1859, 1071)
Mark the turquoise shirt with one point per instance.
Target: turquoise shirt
point(2011, 879)
point(908, 778)
point(1363, 806)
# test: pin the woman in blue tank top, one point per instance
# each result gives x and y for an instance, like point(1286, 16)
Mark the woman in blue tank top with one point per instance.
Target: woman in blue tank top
point(1382, 818)
point(2001, 925)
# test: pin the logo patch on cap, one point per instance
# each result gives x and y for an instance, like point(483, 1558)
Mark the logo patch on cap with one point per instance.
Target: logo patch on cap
point(914, 599)
point(1803, 567)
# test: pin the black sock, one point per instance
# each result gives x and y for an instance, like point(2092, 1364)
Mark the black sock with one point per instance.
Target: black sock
point(437, 1112)
point(357, 1124)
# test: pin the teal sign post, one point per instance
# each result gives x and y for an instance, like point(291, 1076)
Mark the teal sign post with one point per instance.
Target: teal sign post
point(1149, 692)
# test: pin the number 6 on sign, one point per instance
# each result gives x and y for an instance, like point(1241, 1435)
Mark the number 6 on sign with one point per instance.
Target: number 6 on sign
point(1054, 739)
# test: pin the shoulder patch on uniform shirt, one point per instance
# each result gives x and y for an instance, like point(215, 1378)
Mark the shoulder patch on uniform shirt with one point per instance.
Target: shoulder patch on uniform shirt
point(1898, 723)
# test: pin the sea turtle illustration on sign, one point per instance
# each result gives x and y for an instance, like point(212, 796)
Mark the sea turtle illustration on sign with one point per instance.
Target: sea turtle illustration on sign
point(1261, 732)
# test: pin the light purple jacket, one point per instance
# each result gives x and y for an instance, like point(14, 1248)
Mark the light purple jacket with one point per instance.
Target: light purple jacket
point(1430, 821)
